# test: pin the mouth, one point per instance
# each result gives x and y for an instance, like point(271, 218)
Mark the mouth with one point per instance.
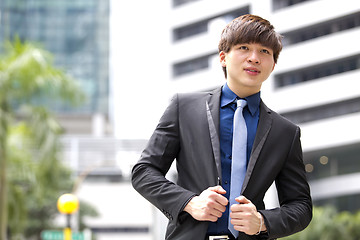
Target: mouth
point(252, 71)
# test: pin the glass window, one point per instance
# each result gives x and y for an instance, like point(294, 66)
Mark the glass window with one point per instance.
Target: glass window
point(192, 65)
point(318, 71)
point(190, 30)
point(202, 26)
point(324, 111)
point(177, 3)
point(331, 162)
point(322, 29)
point(279, 4)
point(349, 203)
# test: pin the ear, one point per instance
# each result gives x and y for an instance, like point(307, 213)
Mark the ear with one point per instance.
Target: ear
point(222, 56)
point(273, 67)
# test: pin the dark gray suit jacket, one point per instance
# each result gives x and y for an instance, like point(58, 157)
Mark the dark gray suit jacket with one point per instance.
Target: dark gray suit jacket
point(189, 132)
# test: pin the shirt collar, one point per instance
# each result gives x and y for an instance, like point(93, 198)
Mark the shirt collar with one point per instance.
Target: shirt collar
point(228, 97)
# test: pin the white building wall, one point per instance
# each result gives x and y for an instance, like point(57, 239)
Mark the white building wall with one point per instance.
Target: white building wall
point(139, 70)
point(142, 53)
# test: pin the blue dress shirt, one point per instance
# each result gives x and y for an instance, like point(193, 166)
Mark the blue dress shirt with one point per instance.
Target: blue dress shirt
point(251, 115)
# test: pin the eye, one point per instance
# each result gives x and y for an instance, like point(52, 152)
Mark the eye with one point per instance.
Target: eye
point(243, 47)
point(265, 51)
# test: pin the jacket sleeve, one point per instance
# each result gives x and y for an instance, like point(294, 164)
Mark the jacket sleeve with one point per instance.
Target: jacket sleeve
point(148, 174)
point(295, 211)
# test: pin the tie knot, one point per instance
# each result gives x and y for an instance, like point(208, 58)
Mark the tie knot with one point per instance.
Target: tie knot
point(241, 103)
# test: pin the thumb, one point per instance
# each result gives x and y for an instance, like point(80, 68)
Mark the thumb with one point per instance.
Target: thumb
point(243, 200)
point(217, 189)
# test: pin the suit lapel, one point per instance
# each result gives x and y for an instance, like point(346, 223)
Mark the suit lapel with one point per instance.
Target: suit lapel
point(213, 117)
point(262, 132)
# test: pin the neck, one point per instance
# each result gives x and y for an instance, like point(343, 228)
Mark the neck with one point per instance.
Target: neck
point(243, 91)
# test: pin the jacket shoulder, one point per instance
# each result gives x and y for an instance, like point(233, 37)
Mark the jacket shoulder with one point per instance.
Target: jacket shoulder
point(195, 96)
point(279, 118)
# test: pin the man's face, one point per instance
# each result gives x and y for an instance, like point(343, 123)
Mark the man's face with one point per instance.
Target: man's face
point(248, 66)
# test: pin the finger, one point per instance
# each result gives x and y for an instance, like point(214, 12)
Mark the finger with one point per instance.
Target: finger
point(242, 200)
point(219, 197)
point(217, 189)
point(222, 200)
point(243, 208)
point(216, 213)
point(213, 215)
point(235, 208)
point(216, 202)
point(239, 206)
point(241, 224)
point(237, 212)
point(212, 219)
point(220, 207)
point(237, 222)
point(243, 228)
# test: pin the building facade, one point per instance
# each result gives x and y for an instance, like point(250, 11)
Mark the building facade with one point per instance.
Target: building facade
point(77, 34)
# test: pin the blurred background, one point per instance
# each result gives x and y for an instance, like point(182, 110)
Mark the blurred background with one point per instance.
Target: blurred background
point(127, 55)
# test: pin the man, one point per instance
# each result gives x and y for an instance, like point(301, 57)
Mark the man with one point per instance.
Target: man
point(197, 130)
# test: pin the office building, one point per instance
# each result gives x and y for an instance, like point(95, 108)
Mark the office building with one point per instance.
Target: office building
point(77, 34)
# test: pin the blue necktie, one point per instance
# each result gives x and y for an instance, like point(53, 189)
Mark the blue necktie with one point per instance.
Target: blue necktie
point(238, 164)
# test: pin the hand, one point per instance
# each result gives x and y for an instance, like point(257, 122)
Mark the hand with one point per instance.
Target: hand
point(245, 217)
point(209, 205)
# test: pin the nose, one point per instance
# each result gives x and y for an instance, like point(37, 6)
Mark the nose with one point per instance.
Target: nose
point(254, 57)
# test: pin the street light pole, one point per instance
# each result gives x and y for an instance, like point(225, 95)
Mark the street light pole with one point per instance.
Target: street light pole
point(68, 204)
point(67, 229)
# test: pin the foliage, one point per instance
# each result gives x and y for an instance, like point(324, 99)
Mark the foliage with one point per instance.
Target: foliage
point(328, 224)
point(27, 71)
point(32, 176)
point(86, 210)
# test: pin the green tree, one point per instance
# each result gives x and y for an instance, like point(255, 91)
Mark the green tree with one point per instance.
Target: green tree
point(328, 224)
point(30, 170)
